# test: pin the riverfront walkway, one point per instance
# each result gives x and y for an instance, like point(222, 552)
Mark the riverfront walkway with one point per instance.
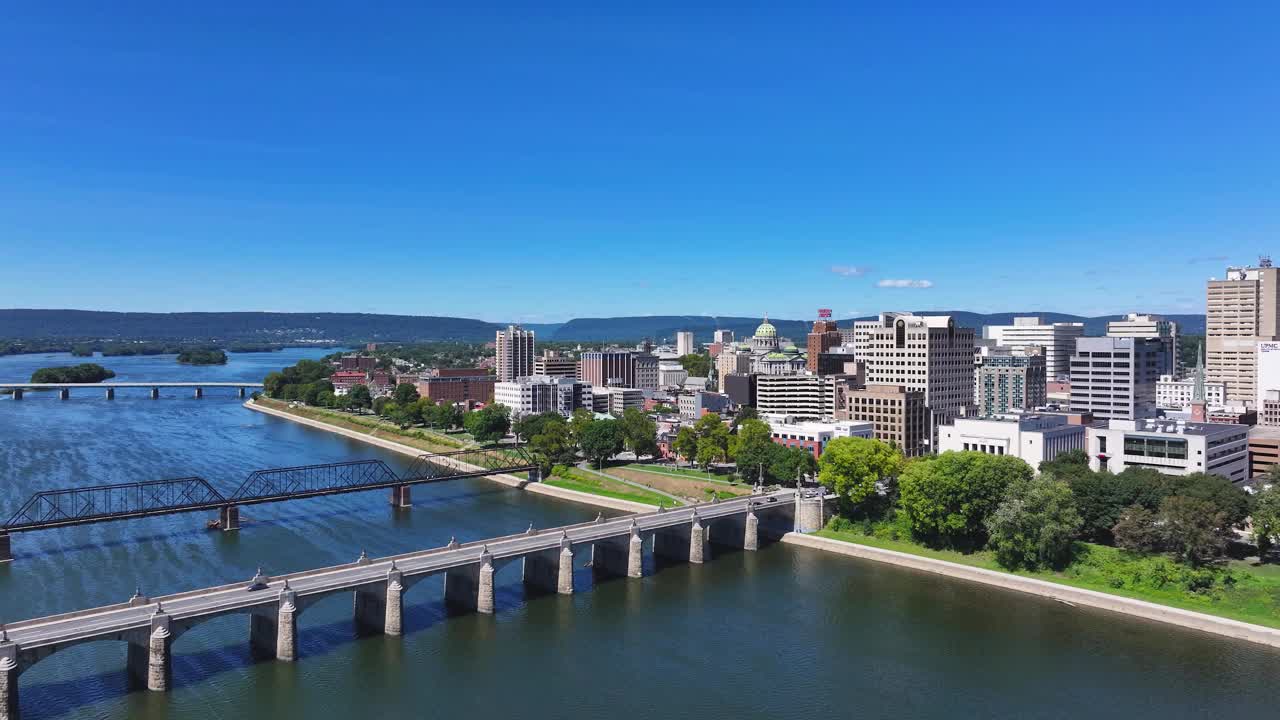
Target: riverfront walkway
point(149, 626)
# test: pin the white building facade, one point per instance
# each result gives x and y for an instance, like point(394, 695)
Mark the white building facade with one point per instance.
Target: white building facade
point(538, 394)
point(1177, 394)
point(1057, 339)
point(1033, 438)
point(1172, 447)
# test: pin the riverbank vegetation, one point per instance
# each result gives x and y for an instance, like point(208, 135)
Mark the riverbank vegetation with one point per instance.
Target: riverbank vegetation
point(82, 373)
point(1162, 538)
point(202, 356)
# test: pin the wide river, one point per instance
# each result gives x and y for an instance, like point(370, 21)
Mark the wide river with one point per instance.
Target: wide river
point(784, 632)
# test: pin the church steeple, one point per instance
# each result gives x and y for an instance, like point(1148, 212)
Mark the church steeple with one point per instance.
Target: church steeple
point(1198, 413)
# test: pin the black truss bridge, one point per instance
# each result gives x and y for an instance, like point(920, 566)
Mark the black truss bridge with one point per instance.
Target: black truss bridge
point(103, 503)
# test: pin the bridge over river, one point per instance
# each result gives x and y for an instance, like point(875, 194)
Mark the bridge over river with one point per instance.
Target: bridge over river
point(109, 388)
point(616, 546)
point(122, 501)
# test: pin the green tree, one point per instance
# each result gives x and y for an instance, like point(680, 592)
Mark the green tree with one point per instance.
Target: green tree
point(405, 394)
point(1136, 530)
point(358, 398)
point(697, 365)
point(1266, 517)
point(755, 451)
point(639, 432)
point(854, 467)
point(1194, 530)
point(403, 415)
point(380, 404)
point(744, 413)
point(789, 463)
point(708, 452)
point(711, 428)
point(581, 419)
point(553, 445)
point(602, 440)
point(1035, 524)
point(686, 444)
point(530, 425)
point(326, 398)
point(948, 498)
point(489, 424)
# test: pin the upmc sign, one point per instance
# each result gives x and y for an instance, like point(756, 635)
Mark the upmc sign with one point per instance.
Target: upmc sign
point(1268, 347)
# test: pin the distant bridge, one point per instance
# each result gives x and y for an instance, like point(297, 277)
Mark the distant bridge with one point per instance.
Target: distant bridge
point(64, 389)
point(150, 626)
point(103, 503)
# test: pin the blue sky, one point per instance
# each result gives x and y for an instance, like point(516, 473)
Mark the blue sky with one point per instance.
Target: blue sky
point(513, 162)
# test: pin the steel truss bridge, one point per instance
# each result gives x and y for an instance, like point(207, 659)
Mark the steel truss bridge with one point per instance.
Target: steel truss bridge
point(103, 503)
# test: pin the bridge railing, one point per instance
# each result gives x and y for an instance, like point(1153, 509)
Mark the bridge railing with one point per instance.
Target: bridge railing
point(314, 480)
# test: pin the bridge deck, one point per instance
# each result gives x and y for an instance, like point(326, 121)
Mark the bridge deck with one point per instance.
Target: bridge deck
point(112, 620)
point(56, 386)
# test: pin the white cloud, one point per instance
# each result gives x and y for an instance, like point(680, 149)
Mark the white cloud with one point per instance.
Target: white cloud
point(849, 270)
point(888, 283)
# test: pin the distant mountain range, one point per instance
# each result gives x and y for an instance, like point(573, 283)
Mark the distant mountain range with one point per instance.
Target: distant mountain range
point(360, 327)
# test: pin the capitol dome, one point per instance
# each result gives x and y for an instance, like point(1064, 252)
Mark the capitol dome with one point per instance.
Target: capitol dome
point(766, 329)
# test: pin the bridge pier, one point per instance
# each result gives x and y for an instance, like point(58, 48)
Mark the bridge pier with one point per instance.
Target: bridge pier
point(64, 393)
point(401, 496)
point(698, 537)
point(6, 554)
point(111, 393)
point(149, 664)
point(551, 571)
point(810, 512)
point(17, 393)
point(242, 392)
point(393, 618)
point(470, 587)
point(273, 631)
point(199, 393)
point(8, 681)
point(619, 556)
point(155, 393)
point(751, 534)
point(229, 518)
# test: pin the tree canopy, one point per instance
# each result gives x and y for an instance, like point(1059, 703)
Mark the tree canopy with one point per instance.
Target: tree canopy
point(82, 373)
point(488, 424)
point(602, 440)
point(852, 467)
point(1035, 524)
point(948, 498)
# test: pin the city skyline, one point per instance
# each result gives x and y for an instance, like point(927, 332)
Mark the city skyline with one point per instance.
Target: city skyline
point(453, 162)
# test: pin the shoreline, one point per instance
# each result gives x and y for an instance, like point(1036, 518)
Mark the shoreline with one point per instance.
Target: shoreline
point(504, 479)
point(1065, 594)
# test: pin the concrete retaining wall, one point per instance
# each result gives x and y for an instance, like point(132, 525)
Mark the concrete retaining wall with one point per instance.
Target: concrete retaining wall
point(508, 480)
point(1064, 593)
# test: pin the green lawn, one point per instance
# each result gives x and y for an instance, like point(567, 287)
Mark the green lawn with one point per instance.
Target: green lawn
point(594, 485)
point(421, 438)
point(1242, 591)
point(683, 472)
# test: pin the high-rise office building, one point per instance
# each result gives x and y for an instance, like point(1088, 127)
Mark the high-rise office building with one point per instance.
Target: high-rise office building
point(1006, 380)
point(724, 337)
point(1057, 339)
point(684, 343)
point(1115, 378)
point(928, 353)
point(553, 364)
point(608, 368)
point(646, 370)
point(1151, 326)
point(514, 353)
point(1241, 311)
point(824, 336)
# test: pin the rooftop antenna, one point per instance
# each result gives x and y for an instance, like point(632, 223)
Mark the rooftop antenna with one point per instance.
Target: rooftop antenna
point(1264, 261)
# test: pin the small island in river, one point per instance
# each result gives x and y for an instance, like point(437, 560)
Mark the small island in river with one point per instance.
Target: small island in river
point(202, 356)
point(82, 373)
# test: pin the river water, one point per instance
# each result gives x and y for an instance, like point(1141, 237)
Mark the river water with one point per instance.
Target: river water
point(783, 632)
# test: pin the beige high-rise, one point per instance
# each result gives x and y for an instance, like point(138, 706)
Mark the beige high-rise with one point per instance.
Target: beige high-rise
point(1240, 312)
point(514, 353)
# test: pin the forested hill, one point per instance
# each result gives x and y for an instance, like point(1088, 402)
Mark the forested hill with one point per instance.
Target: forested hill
point(265, 326)
point(360, 327)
